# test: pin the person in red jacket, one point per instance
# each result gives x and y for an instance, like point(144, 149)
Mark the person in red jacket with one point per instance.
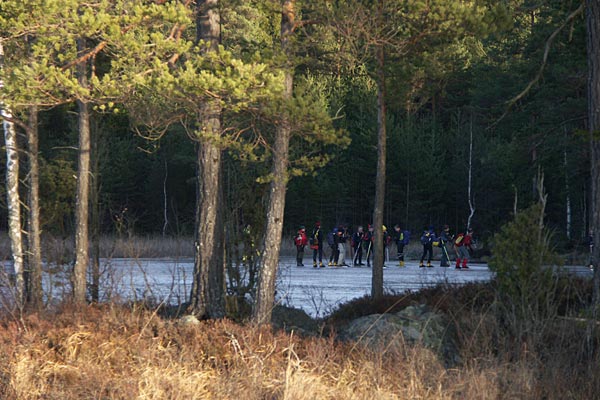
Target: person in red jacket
point(462, 245)
point(300, 240)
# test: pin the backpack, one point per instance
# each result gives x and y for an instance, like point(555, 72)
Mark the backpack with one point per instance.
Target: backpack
point(459, 239)
point(330, 238)
point(314, 239)
point(406, 238)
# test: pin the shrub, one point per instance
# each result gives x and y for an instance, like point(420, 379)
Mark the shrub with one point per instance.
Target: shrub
point(525, 267)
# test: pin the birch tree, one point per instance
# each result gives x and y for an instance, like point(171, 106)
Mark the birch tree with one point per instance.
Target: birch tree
point(12, 192)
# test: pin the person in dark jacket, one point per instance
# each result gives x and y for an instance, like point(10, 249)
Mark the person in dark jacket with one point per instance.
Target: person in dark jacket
point(333, 239)
point(401, 239)
point(368, 243)
point(427, 239)
point(316, 244)
point(445, 237)
point(357, 239)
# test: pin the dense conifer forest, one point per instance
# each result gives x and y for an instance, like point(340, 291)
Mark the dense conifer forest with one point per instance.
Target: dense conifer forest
point(220, 120)
point(436, 102)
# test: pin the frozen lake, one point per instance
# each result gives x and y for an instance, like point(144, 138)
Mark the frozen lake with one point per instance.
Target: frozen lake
point(316, 290)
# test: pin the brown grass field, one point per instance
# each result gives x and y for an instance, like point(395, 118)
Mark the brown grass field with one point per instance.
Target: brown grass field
point(131, 352)
point(134, 351)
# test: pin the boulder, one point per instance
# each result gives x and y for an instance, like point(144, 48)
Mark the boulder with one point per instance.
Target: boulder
point(188, 320)
point(294, 319)
point(416, 324)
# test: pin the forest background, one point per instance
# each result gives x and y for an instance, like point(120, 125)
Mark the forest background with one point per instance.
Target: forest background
point(147, 187)
point(221, 126)
point(462, 136)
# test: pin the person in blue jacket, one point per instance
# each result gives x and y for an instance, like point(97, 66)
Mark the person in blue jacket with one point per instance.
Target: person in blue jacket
point(401, 238)
point(427, 239)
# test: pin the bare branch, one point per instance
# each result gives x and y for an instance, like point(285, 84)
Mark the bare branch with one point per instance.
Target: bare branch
point(538, 76)
point(92, 53)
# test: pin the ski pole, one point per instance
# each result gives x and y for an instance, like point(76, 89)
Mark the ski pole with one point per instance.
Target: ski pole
point(356, 254)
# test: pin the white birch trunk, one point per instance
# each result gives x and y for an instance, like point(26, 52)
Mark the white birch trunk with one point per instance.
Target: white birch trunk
point(13, 201)
point(470, 184)
point(568, 210)
point(12, 194)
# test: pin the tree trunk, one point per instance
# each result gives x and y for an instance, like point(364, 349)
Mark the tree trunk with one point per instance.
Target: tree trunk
point(165, 201)
point(83, 190)
point(208, 295)
point(568, 207)
point(95, 217)
point(34, 276)
point(265, 293)
point(14, 203)
point(12, 194)
point(593, 56)
point(470, 181)
point(377, 278)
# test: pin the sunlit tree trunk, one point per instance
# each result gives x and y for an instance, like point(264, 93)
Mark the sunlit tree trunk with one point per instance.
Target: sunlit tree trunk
point(82, 258)
point(95, 215)
point(378, 257)
point(12, 194)
point(34, 276)
point(208, 295)
point(265, 293)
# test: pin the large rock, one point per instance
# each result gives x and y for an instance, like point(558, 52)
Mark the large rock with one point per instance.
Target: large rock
point(294, 319)
point(413, 325)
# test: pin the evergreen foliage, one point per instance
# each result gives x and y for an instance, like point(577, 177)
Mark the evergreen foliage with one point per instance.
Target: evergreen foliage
point(525, 266)
point(434, 101)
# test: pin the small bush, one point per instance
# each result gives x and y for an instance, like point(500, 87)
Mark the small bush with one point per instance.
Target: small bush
point(526, 274)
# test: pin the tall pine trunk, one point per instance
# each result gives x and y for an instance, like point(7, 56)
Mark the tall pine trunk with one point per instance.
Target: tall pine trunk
point(83, 189)
point(265, 293)
point(12, 194)
point(378, 256)
point(208, 294)
point(34, 276)
point(593, 56)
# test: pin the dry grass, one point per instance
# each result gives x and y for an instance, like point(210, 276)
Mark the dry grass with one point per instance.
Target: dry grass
point(60, 250)
point(110, 352)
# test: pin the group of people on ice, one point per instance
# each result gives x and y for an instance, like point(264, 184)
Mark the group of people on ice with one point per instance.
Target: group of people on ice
point(340, 240)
